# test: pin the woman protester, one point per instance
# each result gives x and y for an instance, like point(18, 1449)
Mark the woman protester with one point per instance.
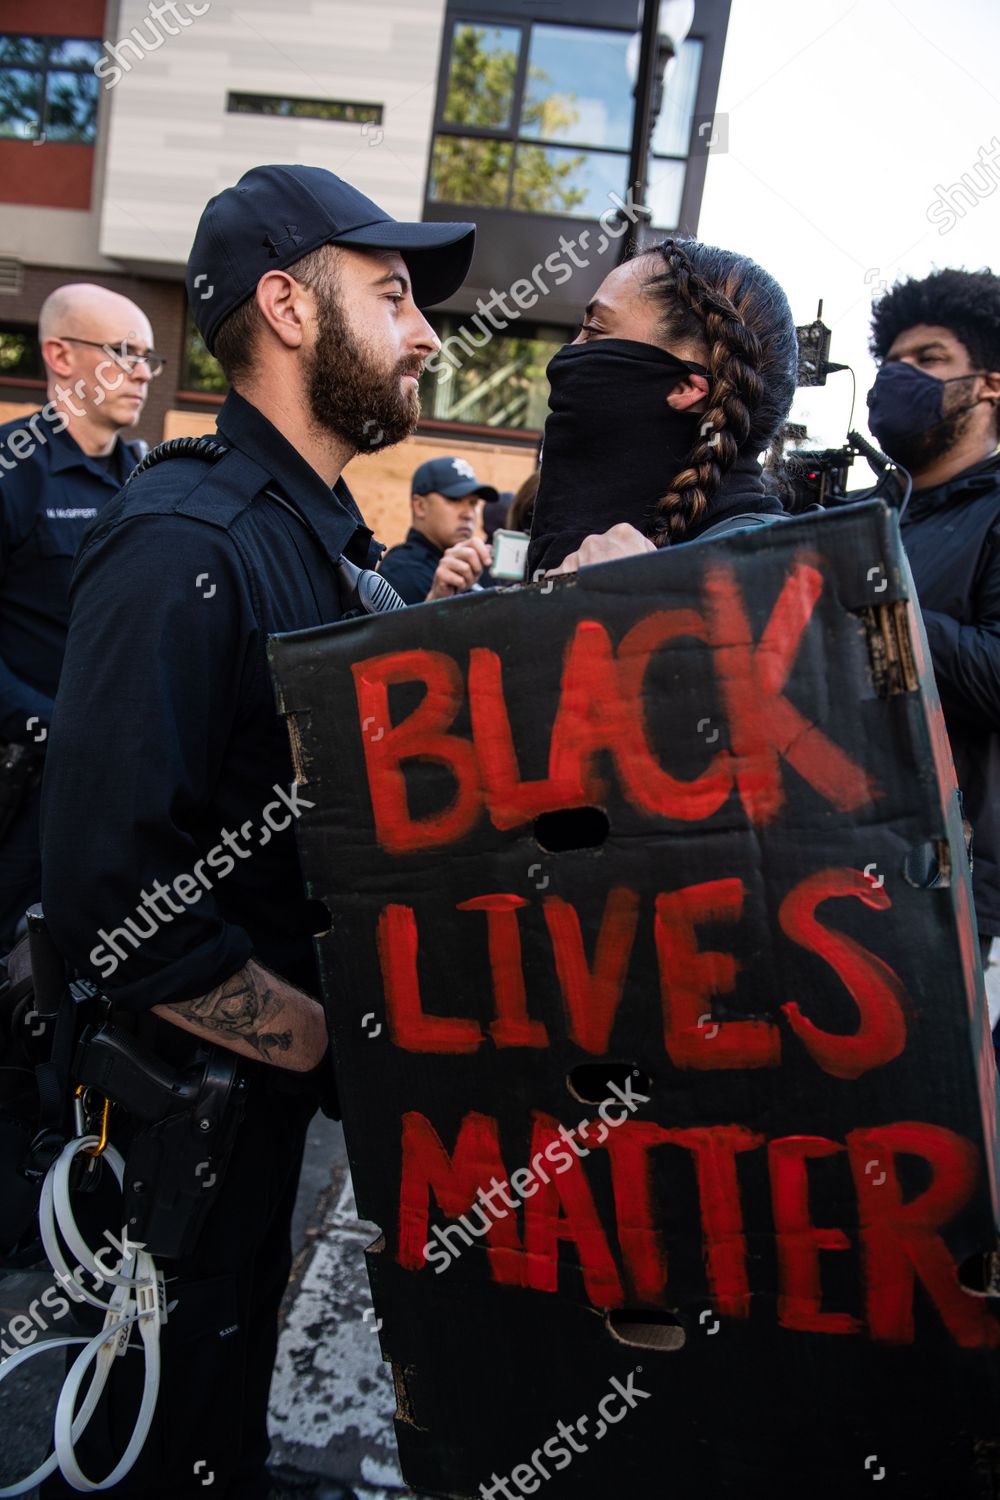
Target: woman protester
point(681, 374)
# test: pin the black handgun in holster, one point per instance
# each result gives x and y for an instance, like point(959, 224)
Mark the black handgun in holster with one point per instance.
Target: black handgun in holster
point(185, 1122)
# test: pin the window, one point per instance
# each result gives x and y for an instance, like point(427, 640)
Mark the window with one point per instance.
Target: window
point(48, 89)
point(672, 133)
point(20, 356)
point(539, 118)
point(304, 109)
point(501, 384)
point(482, 76)
point(200, 371)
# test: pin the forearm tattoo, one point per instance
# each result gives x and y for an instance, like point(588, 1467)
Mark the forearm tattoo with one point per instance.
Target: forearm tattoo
point(246, 1006)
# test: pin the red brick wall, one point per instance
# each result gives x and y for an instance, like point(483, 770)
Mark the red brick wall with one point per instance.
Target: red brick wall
point(53, 18)
point(51, 174)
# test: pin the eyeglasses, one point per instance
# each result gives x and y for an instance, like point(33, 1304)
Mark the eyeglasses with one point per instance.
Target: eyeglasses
point(125, 356)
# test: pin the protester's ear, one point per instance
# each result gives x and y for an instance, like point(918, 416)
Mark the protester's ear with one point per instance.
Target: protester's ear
point(418, 504)
point(687, 392)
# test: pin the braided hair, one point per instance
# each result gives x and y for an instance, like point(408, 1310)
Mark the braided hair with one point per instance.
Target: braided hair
point(730, 303)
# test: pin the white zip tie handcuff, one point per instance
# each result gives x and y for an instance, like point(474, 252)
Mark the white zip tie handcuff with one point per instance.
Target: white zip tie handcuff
point(138, 1297)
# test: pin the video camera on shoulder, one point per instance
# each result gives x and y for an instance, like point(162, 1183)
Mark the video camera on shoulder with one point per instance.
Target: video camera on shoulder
point(819, 476)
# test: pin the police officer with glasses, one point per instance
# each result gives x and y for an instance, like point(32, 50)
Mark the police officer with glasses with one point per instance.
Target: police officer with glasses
point(58, 468)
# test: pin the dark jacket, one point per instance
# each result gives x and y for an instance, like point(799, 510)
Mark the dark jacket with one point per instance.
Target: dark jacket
point(50, 491)
point(952, 539)
point(166, 758)
point(411, 566)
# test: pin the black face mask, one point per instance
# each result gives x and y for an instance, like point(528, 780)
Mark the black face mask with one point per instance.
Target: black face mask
point(905, 405)
point(612, 445)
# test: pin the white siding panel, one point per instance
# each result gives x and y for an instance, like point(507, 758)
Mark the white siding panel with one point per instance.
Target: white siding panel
point(171, 144)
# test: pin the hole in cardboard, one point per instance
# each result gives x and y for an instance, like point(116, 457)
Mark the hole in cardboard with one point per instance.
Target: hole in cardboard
point(646, 1328)
point(980, 1274)
point(572, 828)
point(591, 1082)
point(927, 865)
point(320, 920)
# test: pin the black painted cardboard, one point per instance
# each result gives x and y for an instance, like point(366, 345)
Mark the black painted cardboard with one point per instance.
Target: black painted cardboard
point(485, 1372)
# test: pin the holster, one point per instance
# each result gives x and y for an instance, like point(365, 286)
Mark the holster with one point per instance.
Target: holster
point(184, 1128)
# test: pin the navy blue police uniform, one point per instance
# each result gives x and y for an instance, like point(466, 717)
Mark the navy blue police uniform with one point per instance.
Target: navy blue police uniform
point(410, 566)
point(167, 759)
point(50, 491)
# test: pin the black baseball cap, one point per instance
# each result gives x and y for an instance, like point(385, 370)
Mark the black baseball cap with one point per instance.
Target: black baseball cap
point(276, 215)
point(451, 477)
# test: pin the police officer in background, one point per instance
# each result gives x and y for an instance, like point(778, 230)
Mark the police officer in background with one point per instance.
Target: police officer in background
point(442, 554)
point(166, 749)
point(58, 467)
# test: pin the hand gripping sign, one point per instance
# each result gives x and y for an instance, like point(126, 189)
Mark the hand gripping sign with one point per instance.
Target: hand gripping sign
point(549, 882)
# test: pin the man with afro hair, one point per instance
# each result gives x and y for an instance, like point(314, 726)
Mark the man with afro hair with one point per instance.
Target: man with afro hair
point(934, 410)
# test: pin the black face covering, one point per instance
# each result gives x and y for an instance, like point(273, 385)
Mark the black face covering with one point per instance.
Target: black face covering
point(612, 444)
point(906, 412)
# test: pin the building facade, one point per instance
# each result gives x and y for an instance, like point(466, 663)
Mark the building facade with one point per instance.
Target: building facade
point(118, 121)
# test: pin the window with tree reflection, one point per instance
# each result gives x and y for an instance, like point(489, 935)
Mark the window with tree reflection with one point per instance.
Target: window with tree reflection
point(498, 382)
point(20, 356)
point(539, 118)
point(48, 88)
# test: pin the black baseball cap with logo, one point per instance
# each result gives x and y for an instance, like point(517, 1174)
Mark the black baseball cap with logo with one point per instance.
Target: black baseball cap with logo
point(454, 478)
point(276, 215)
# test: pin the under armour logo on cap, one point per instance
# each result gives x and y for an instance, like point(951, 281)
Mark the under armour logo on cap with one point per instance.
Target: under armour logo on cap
point(277, 247)
point(463, 467)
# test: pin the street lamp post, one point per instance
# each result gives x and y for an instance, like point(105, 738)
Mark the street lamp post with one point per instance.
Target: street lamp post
point(642, 122)
point(656, 49)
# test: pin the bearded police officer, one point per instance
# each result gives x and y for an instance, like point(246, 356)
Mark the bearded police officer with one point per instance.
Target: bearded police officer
point(170, 871)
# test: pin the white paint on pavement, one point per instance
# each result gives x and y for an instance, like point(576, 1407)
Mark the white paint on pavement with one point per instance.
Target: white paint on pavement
point(329, 1378)
point(373, 1472)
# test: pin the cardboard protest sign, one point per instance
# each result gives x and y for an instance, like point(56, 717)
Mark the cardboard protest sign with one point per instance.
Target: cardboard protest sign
point(661, 1042)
